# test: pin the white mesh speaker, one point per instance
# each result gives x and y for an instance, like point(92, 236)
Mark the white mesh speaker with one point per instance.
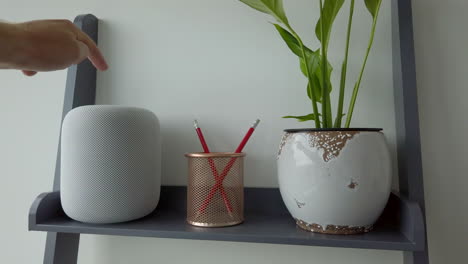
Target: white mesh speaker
point(110, 163)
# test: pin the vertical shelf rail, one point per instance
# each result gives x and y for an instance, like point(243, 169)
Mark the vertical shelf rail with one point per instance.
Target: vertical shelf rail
point(80, 89)
point(407, 115)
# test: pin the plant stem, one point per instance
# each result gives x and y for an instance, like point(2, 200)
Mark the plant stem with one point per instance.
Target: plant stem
point(325, 117)
point(358, 83)
point(309, 78)
point(339, 112)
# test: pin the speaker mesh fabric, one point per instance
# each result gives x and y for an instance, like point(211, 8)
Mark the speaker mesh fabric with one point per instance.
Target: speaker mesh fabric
point(110, 163)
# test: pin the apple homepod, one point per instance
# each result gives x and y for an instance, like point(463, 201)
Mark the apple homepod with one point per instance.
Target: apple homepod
point(110, 163)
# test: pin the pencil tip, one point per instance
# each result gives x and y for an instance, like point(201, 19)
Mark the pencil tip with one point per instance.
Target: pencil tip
point(195, 123)
point(255, 124)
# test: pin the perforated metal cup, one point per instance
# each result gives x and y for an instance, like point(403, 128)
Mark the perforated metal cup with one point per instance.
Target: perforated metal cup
point(215, 189)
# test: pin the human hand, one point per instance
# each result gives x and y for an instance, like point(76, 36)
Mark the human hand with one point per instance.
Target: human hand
point(47, 45)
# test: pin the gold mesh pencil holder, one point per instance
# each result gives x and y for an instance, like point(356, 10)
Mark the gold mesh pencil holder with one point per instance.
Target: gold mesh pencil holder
point(215, 189)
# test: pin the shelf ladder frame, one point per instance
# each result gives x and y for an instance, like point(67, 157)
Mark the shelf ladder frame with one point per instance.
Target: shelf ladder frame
point(410, 170)
point(62, 248)
point(80, 89)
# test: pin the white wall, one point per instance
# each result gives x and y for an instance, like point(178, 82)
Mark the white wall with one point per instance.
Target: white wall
point(215, 60)
point(442, 62)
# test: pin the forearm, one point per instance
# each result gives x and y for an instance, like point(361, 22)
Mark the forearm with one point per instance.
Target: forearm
point(12, 51)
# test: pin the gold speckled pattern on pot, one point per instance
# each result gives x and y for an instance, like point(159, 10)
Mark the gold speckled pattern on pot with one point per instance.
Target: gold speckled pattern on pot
point(331, 142)
point(333, 229)
point(284, 139)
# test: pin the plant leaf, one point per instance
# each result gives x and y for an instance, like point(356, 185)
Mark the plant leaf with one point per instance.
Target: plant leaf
point(271, 7)
point(302, 118)
point(313, 59)
point(315, 83)
point(319, 75)
point(316, 88)
point(373, 6)
point(303, 67)
point(330, 10)
point(316, 74)
point(291, 41)
point(308, 91)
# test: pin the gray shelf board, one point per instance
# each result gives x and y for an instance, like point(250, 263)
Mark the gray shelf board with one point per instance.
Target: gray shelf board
point(265, 222)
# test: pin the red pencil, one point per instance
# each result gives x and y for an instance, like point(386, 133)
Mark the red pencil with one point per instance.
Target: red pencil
point(212, 165)
point(220, 179)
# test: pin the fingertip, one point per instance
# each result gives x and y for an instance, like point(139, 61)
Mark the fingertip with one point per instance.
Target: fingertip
point(98, 61)
point(29, 73)
point(95, 55)
point(103, 66)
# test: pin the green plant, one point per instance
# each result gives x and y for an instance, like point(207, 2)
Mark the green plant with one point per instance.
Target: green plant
point(314, 63)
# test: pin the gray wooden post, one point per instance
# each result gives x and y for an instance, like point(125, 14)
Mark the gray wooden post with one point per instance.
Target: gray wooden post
point(407, 115)
point(80, 89)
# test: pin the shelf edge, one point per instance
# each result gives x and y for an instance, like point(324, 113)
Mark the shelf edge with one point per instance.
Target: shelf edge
point(47, 206)
point(412, 222)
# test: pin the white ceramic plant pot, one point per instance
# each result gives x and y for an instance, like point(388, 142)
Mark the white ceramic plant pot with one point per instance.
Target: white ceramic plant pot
point(334, 181)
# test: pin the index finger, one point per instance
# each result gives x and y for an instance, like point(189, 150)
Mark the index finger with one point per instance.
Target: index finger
point(95, 55)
